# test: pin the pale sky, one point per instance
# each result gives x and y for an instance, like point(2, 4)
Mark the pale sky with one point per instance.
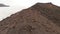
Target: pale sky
point(17, 5)
point(27, 2)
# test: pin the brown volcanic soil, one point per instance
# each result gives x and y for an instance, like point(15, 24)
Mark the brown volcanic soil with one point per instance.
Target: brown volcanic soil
point(38, 19)
point(49, 11)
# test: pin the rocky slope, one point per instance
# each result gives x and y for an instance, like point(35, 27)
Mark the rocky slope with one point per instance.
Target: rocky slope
point(42, 18)
point(49, 10)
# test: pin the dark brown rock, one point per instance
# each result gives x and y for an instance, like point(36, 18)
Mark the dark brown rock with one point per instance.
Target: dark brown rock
point(38, 19)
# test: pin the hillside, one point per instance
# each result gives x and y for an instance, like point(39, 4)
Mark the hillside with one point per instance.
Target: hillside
point(48, 10)
point(42, 18)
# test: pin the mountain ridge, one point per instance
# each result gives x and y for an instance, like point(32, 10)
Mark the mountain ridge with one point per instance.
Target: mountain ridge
point(34, 20)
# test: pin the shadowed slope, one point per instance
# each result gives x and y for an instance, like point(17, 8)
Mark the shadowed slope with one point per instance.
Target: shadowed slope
point(48, 10)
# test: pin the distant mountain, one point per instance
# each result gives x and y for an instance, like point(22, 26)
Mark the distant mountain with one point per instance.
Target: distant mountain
point(41, 18)
point(3, 5)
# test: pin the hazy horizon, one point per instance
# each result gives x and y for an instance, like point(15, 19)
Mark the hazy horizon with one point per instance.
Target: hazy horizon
point(7, 11)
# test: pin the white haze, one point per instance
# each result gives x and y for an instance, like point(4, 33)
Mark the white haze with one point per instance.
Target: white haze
point(7, 11)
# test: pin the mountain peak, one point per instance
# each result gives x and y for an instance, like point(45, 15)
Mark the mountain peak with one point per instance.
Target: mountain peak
point(49, 5)
point(45, 3)
point(43, 19)
point(3, 5)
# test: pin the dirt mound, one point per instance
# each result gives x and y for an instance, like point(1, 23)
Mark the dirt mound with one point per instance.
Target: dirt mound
point(34, 20)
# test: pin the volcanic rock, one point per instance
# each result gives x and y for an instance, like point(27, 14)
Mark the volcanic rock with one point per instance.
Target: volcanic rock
point(42, 18)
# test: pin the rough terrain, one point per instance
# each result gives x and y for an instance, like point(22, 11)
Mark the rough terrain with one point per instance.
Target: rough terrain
point(42, 18)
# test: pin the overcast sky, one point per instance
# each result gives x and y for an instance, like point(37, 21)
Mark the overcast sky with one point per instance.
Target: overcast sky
point(17, 5)
point(27, 2)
